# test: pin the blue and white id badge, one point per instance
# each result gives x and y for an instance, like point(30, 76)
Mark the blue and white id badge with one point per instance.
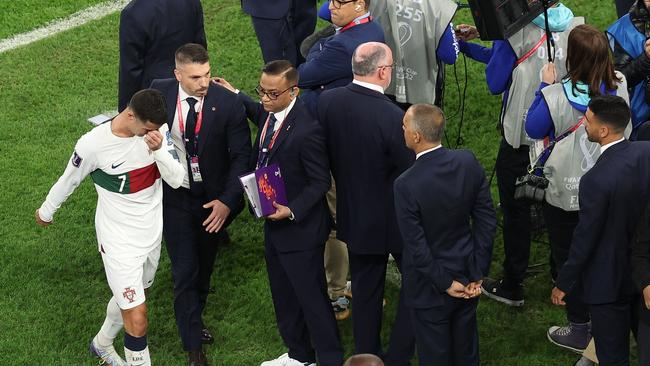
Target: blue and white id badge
point(196, 171)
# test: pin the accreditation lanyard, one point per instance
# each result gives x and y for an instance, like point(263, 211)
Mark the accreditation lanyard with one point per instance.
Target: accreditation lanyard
point(545, 146)
point(181, 124)
point(262, 157)
point(354, 23)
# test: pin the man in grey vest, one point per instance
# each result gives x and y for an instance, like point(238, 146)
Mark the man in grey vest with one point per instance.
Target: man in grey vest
point(513, 68)
point(421, 36)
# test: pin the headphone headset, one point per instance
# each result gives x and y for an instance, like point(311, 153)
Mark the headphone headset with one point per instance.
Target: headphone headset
point(357, 8)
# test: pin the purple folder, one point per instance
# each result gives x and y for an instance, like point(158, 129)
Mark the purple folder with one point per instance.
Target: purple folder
point(270, 187)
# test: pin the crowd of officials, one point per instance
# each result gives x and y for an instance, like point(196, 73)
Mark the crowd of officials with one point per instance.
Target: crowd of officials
point(350, 114)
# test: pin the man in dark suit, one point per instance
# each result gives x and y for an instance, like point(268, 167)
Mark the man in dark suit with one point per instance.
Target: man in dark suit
point(281, 26)
point(150, 33)
point(367, 153)
point(212, 140)
point(447, 220)
point(294, 236)
point(328, 61)
point(612, 196)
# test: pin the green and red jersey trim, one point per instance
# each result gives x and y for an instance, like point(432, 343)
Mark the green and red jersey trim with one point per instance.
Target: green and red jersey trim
point(128, 182)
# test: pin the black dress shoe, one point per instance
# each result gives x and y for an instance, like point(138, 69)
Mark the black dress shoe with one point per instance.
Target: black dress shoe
point(197, 358)
point(206, 336)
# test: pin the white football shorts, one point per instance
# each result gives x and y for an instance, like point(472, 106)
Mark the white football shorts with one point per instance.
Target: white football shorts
point(128, 278)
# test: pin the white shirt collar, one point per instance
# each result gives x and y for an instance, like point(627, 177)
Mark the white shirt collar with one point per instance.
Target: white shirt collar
point(427, 151)
point(607, 146)
point(280, 116)
point(183, 96)
point(372, 86)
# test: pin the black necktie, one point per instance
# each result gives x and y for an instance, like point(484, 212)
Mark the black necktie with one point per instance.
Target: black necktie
point(269, 132)
point(190, 124)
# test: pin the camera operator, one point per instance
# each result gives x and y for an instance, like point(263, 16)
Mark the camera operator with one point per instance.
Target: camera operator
point(513, 68)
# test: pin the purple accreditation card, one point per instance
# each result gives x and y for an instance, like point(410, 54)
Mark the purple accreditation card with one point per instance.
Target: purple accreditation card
point(270, 187)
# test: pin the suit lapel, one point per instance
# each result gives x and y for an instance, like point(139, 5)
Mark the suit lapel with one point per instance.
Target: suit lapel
point(285, 130)
point(209, 108)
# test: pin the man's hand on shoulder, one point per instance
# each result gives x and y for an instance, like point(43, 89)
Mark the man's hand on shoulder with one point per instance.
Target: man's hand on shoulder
point(224, 83)
point(40, 221)
point(217, 217)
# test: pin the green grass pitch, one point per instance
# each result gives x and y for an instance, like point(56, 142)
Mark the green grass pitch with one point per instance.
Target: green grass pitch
point(53, 290)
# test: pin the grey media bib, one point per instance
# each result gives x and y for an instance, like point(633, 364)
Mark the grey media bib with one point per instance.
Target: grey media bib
point(527, 75)
point(413, 29)
point(574, 155)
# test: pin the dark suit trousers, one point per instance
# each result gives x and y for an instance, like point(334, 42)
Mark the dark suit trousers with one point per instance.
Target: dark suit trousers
point(447, 335)
point(368, 274)
point(302, 308)
point(560, 225)
point(512, 163)
point(192, 252)
point(280, 39)
point(610, 327)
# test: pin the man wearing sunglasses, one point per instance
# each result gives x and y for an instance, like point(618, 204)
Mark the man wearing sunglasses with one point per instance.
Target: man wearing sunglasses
point(328, 61)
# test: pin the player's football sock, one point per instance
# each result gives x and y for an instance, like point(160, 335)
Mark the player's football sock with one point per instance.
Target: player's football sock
point(136, 350)
point(112, 324)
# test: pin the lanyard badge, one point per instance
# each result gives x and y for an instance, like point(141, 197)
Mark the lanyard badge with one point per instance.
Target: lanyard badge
point(181, 124)
point(195, 169)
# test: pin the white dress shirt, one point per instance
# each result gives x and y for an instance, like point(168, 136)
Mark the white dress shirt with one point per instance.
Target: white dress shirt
point(280, 116)
point(427, 151)
point(177, 138)
point(372, 86)
point(607, 146)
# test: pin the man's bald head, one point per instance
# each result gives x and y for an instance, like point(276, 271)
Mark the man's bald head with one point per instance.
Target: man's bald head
point(364, 360)
point(370, 56)
point(427, 120)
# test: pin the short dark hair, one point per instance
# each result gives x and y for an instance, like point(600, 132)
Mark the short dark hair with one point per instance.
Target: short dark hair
point(284, 68)
point(148, 105)
point(428, 120)
point(191, 53)
point(611, 110)
point(366, 64)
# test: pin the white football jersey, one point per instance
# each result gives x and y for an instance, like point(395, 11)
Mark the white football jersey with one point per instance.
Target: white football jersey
point(128, 218)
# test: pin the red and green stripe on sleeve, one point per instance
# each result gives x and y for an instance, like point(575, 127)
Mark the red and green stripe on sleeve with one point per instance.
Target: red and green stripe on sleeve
point(128, 182)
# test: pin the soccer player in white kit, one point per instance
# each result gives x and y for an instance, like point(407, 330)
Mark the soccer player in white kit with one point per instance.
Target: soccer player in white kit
point(126, 158)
